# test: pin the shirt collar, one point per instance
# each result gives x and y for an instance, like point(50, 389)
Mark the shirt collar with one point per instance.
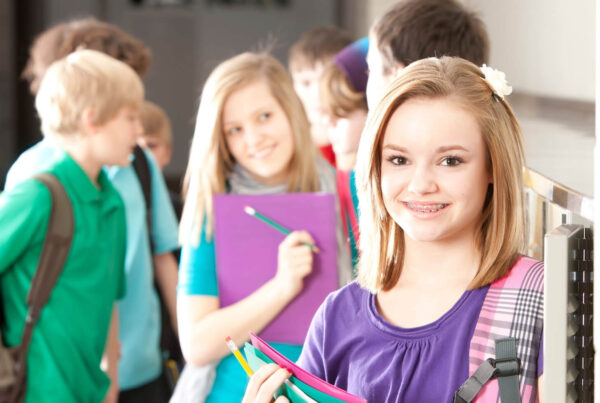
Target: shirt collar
point(79, 183)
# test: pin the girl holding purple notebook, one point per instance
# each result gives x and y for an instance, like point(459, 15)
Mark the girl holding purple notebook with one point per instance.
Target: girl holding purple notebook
point(252, 137)
point(444, 300)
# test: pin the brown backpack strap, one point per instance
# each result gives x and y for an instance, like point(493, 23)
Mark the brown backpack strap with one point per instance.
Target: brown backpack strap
point(55, 250)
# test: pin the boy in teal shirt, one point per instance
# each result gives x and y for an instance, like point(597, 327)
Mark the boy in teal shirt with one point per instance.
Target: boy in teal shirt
point(88, 105)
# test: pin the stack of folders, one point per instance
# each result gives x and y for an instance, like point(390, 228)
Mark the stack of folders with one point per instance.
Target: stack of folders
point(303, 387)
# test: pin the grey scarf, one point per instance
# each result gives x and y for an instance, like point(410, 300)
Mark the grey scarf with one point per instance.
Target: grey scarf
point(242, 182)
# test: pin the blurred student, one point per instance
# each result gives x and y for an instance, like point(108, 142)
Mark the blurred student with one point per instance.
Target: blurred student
point(158, 138)
point(443, 286)
point(344, 111)
point(417, 29)
point(252, 137)
point(148, 254)
point(344, 101)
point(87, 103)
point(308, 58)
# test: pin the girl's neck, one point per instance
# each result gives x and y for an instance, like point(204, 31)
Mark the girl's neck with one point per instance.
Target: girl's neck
point(345, 162)
point(452, 262)
point(84, 157)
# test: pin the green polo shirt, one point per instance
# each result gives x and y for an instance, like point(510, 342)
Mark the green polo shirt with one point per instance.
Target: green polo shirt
point(69, 339)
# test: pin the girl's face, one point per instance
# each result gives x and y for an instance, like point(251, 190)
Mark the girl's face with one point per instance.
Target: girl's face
point(258, 133)
point(344, 133)
point(434, 171)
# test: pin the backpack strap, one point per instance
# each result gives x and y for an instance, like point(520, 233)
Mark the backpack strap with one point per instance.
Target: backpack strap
point(142, 170)
point(57, 244)
point(506, 367)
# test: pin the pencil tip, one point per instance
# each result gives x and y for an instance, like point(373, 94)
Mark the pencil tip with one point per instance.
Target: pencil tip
point(249, 210)
point(227, 339)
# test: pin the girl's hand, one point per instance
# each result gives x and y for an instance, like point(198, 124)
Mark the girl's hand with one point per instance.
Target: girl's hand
point(264, 383)
point(294, 261)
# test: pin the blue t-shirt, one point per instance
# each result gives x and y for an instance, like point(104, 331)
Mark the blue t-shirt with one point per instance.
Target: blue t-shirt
point(198, 276)
point(351, 346)
point(139, 311)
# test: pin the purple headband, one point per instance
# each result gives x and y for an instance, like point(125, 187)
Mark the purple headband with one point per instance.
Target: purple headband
point(352, 60)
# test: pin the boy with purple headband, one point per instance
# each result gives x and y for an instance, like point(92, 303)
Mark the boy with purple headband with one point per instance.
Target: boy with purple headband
point(344, 104)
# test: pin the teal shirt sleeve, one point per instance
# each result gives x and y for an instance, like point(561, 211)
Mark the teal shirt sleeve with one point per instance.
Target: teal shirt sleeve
point(164, 221)
point(198, 269)
point(24, 214)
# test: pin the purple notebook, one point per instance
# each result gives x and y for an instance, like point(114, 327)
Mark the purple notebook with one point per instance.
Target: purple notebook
point(246, 253)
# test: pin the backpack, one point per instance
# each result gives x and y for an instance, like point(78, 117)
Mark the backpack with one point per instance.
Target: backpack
point(57, 244)
point(509, 324)
point(169, 342)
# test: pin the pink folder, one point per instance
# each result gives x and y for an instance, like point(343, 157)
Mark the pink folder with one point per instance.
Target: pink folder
point(246, 251)
point(302, 375)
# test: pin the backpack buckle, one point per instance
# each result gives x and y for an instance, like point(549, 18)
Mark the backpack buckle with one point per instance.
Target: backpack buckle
point(506, 366)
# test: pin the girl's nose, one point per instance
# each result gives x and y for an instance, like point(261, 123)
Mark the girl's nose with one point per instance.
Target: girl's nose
point(252, 135)
point(422, 181)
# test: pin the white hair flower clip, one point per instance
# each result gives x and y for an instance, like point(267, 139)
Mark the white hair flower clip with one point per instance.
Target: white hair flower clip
point(497, 80)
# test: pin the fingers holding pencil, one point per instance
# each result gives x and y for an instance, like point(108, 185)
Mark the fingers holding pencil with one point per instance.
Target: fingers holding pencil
point(264, 383)
point(294, 261)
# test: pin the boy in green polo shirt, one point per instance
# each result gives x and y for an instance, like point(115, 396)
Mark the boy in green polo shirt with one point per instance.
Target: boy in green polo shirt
point(88, 103)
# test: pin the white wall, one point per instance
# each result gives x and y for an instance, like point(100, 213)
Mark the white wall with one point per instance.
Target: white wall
point(546, 47)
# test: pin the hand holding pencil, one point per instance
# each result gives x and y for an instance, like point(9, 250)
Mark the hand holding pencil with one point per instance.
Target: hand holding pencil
point(264, 384)
point(294, 261)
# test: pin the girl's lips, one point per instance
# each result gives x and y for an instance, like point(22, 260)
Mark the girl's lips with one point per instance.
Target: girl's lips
point(262, 152)
point(425, 209)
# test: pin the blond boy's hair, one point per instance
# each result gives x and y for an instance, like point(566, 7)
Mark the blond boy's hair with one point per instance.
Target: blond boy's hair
point(156, 123)
point(210, 161)
point(319, 45)
point(85, 79)
point(502, 224)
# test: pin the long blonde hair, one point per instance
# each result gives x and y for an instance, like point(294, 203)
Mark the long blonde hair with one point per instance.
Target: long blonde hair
point(502, 225)
point(210, 161)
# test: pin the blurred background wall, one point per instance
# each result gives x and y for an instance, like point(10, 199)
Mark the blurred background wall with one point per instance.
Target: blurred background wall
point(546, 48)
point(187, 37)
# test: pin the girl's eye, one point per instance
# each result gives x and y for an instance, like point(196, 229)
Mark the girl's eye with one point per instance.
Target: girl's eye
point(451, 161)
point(264, 116)
point(395, 160)
point(233, 130)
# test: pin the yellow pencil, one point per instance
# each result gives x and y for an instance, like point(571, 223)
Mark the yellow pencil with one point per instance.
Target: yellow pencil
point(239, 356)
point(249, 371)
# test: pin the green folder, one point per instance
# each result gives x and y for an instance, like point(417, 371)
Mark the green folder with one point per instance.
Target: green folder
point(256, 359)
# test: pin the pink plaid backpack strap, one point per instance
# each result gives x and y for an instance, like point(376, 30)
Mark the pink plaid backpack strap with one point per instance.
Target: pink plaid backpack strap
point(513, 308)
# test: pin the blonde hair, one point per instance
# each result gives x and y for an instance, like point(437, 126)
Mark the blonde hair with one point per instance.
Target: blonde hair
point(85, 79)
point(338, 96)
point(210, 161)
point(501, 239)
point(156, 123)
